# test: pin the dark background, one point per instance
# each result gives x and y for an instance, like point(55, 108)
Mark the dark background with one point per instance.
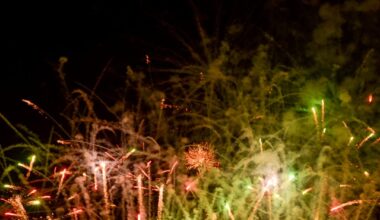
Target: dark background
point(98, 38)
point(101, 38)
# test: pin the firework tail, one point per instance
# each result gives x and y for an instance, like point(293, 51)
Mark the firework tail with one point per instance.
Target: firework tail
point(256, 206)
point(16, 203)
point(160, 202)
point(63, 173)
point(142, 214)
point(149, 189)
point(105, 192)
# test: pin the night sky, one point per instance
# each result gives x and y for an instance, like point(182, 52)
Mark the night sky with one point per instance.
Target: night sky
point(98, 37)
point(90, 34)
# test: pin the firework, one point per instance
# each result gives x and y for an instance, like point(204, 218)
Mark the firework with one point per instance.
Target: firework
point(160, 202)
point(140, 198)
point(105, 190)
point(200, 157)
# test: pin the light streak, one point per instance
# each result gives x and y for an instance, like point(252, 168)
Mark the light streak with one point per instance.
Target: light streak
point(376, 141)
point(315, 116)
point(23, 166)
point(19, 208)
point(189, 186)
point(34, 202)
point(35, 107)
point(105, 190)
point(75, 213)
point(32, 192)
point(335, 208)
point(230, 214)
point(12, 214)
point(350, 141)
point(171, 171)
point(31, 166)
point(160, 205)
point(365, 140)
point(323, 113)
point(304, 192)
point(63, 173)
point(8, 186)
point(64, 142)
point(128, 154)
point(140, 197)
point(95, 179)
point(72, 197)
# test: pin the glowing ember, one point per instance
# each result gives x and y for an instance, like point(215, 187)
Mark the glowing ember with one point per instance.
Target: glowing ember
point(370, 98)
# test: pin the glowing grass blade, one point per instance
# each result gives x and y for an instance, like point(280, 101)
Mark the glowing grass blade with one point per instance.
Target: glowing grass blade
point(335, 208)
point(323, 113)
point(105, 190)
point(140, 198)
point(365, 140)
point(63, 174)
point(31, 166)
point(160, 206)
point(230, 214)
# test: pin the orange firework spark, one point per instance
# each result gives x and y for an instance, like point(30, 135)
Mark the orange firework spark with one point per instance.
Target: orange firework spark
point(63, 174)
point(370, 98)
point(147, 59)
point(160, 205)
point(340, 206)
point(200, 156)
point(35, 107)
point(105, 190)
point(365, 140)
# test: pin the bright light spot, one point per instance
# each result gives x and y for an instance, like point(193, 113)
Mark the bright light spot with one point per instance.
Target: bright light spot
point(33, 158)
point(370, 98)
point(324, 130)
point(227, 206)
point(34, 202)
point(103, 164)
point(32, 192)
point(366, 173)
point(291, 177)
point(351, 139)
point(313, 110)
point(271, 183)
point(306, 191)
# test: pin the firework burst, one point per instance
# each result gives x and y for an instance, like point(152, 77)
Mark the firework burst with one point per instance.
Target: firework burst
point(200, 157)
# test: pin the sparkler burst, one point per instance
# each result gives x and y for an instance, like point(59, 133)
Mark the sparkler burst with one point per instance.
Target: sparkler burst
point(200, 157)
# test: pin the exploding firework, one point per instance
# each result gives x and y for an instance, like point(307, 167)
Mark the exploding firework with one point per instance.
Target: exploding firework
point(200, 157)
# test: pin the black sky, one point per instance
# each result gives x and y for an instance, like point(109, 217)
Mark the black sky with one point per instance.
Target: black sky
point(90, 33)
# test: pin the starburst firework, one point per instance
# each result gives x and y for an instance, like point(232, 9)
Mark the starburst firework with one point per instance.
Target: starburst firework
point(200, 157)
